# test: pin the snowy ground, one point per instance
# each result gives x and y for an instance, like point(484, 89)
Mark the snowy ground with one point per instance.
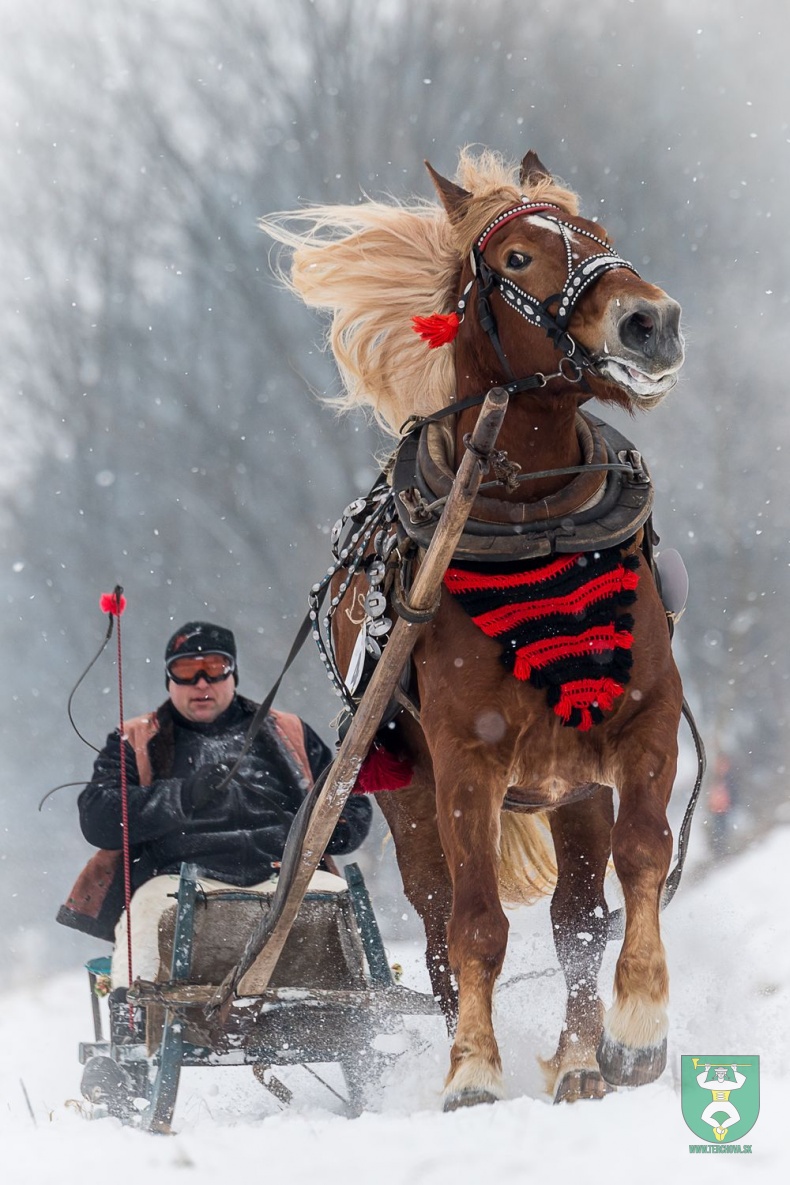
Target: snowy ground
point(730, 963)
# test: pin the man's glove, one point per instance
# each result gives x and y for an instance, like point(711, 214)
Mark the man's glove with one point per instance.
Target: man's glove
point(201, 787)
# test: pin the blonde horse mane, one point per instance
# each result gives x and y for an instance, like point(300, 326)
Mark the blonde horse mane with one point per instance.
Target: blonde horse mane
point(375, 265)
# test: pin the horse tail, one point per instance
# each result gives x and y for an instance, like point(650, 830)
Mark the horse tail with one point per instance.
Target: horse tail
point(527, 869)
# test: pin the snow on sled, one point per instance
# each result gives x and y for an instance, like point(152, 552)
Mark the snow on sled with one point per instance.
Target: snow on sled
point(332, 996)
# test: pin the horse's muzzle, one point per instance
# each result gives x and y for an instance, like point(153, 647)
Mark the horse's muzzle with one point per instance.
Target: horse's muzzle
point(650, 333)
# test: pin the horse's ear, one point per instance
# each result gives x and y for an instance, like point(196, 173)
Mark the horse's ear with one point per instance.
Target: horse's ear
point(454, 199)
point(533, 170)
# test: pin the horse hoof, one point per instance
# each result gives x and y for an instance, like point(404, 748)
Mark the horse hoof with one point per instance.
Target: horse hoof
point(581, 1084)
point(469, 1097)
point(623, 1066)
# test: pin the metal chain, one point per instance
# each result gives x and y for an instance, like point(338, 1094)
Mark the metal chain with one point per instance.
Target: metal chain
point(545, 974)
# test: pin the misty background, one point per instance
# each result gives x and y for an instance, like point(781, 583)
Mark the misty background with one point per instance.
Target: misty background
point(160, 422)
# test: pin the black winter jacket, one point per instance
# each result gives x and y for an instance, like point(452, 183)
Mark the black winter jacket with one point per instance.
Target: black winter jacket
point(238, 838)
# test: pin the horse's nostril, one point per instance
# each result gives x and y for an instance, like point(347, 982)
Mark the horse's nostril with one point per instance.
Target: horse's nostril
point(638, 329)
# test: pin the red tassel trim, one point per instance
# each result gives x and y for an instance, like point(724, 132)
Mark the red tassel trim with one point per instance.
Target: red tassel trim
point(598, 640)
point(609, 584)
point(381, 771)
point(590, 697)
point(108, 603)
point(437, 330)
point(459, 580)
point(548, 637)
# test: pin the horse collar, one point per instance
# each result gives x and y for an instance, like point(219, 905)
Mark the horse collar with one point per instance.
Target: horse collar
point(585, 516)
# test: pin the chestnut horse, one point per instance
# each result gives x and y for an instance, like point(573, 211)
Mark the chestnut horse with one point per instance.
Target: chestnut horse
point(537, 291)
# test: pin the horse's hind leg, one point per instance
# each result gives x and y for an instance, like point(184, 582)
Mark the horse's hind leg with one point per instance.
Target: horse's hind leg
point(581, 833)
point(633, 1048)
point(468, 810)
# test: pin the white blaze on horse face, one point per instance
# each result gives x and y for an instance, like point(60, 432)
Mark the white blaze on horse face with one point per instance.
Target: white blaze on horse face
point(546, 223)
point(554, 227)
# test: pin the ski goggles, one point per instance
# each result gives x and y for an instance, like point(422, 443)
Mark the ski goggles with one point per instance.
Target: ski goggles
point(188, 668)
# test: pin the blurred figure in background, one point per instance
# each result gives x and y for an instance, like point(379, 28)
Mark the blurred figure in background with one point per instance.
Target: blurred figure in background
point(720, 806)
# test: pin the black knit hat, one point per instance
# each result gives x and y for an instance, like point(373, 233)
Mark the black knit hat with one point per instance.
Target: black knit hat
point(201, 637)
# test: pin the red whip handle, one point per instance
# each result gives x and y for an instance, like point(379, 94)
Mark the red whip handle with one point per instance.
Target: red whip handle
point(127, 863)
point(115, 604)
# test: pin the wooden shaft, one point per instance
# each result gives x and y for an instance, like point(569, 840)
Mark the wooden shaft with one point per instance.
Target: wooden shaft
point(365, 724)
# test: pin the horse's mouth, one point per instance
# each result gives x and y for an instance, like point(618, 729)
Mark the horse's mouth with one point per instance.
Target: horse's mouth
point(643, 388)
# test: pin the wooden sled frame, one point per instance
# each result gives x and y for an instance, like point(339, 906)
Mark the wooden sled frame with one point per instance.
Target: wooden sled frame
point(281, 1027)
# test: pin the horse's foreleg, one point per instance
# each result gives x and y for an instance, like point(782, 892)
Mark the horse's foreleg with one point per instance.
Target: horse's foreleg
point(468, 813)
point(633, 1047)
point(411, 815)
point(581, 833)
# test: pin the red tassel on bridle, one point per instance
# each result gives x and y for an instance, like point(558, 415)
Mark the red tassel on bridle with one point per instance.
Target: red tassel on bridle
point(437, 330)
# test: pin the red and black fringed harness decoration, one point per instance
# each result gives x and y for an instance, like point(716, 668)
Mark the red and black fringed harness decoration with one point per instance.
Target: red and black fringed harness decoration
point(560, 624)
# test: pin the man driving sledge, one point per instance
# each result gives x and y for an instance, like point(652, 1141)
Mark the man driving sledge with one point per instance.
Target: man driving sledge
point(179, 805)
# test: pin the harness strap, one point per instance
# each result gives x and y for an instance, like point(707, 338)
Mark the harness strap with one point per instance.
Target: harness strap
point(485, 315)
point(532, 382)
point(256, 724)
point(673, 880)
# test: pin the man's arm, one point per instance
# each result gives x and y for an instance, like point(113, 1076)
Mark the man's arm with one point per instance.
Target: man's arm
point(352, 827)
point(354, 824)
point(154, 810)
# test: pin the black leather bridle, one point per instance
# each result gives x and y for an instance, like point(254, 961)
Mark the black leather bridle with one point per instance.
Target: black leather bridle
point(536, 312)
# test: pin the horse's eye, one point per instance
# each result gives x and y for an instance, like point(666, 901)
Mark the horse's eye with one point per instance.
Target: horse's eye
point(517, 260)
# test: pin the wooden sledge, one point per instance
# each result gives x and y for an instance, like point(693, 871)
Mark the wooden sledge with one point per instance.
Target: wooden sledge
point(313, 983)
point(333, 995)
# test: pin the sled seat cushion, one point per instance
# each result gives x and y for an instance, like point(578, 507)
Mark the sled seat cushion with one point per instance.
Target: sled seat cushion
point(323, 950)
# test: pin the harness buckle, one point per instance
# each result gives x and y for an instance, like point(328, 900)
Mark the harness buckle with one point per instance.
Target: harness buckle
point(505, 471)
point(632, 457)
point(413, 421)
point(416, 506)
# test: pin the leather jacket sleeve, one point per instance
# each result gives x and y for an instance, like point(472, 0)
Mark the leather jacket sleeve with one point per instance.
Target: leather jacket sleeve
point(154, 810)
point(354, 824)
point(352, 827)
